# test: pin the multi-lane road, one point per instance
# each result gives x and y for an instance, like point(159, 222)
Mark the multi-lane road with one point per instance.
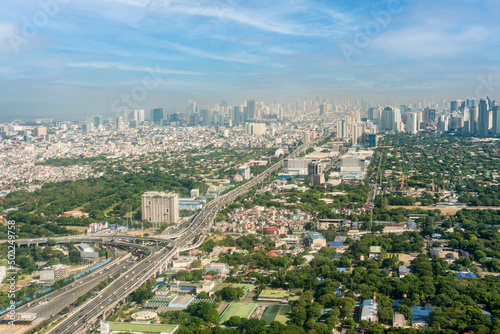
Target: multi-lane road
point(102, 305)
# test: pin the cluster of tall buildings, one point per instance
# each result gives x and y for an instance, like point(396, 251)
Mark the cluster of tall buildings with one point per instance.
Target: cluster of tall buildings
point(476, 117)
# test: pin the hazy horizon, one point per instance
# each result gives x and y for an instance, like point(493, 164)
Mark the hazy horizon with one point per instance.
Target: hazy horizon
point(68, 59)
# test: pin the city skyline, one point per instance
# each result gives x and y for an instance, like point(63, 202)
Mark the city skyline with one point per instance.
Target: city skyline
point(80, 59)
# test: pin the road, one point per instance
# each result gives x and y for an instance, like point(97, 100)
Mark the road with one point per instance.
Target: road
point(54, 302)
point(109, 299)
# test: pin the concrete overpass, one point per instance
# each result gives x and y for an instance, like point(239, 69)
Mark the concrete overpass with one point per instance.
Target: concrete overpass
point(113, 297)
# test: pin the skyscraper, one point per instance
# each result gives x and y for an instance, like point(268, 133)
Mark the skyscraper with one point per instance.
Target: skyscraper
point(390, 119)
point(97, 121)
point(157, 115)
point(250, 110)
point(412, 123)
point(191, 108)
point(473, 119)
point(483, 123)
point(495, 126)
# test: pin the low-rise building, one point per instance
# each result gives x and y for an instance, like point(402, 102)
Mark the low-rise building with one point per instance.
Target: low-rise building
point(55, 273)
point(369, 310)
point(316, 239)
point(87, 253)
point(219, 268)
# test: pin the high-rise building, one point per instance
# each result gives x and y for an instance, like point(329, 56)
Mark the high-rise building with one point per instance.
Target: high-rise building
point(191, 108)
point(250, 110)
point(160, 207)
point(354, 134)
point(483, 123)
point(85, 128)
point(374, 114)
point(342, 130)
point(314, 168)
point(97, 121)
point(473, 119)
point(454, 105)
point(322, 108)
point(157, 115)
point(412, 123)
point(118, 122)
point(40, 131)
point(495, 126)
point(244, 171)
point(390, 119)
point(135, 115)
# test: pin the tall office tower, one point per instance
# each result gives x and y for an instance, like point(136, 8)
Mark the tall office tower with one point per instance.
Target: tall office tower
point(389, 120)
point(157, 115)
point(322, 108)
point(85, 128)
point(97, 121)
point(473, 119)
point(403, 109)
point(374, 114)
point(354, 134)
point(483, 123)
point(425, 116)
point(342, 129)
point(250, 110)
point(238, 115)
point(432, 115)
point(443, 123)
point(412, 123)
point(140, 115)
point(159, 207)
point(495, 127)
point(191, 108)
point(136, 115)
point(470, 103)
point(118, 122)
point(454, 105)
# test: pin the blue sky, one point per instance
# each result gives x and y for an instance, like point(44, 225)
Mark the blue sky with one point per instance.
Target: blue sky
point(84, 55)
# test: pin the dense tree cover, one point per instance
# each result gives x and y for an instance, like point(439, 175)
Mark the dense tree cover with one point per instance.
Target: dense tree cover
point(230, 294)
point(454, 163)
point(144, 293)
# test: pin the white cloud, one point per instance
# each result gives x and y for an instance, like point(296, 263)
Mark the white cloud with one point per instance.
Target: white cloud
point(129, 68)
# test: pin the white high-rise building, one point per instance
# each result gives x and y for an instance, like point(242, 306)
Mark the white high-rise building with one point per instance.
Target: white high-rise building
point(191, 107)
point(159, 207)
point(342, 129)
point(412, 123)
point(354, 134)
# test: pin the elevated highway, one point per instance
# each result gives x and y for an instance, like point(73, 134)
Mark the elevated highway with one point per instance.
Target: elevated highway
point(114, 296)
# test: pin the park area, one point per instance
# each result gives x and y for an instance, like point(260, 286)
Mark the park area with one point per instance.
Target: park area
point(144, 328)
point(243, 310)
point(276, 312)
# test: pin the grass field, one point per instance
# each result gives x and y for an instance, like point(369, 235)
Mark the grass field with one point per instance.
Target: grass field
point(271, 313)
point(79, 229)
point(445, 210)
point(220, 286)
point(129, 327)
point(243, 310)
point(283, 316)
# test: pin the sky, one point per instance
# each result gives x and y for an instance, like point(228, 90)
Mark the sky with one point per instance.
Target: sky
point(69, 59)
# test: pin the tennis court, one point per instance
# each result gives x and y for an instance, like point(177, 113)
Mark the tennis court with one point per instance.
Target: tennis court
point(243, 310)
